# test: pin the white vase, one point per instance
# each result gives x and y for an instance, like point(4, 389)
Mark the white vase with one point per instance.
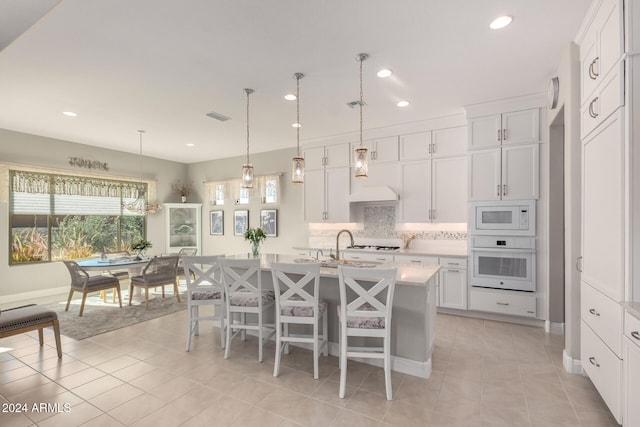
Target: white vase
point(184, 199)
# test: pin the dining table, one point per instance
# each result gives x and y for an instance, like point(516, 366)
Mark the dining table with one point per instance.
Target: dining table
point(133, 265)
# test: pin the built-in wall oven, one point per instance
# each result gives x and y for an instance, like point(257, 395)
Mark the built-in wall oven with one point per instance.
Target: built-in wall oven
point(503, 262)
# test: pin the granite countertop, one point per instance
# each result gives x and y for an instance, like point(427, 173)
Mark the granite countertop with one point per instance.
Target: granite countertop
point(412, 275)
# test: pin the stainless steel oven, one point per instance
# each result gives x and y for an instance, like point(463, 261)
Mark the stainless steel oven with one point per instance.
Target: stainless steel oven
point(506, 262)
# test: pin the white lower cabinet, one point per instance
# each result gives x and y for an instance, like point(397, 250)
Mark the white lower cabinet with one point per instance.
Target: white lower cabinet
point(504, 302)
point(631, 382)
point(364, 256)
point(604, 369)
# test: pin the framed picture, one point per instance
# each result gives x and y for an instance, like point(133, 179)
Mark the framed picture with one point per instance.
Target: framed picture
point(217, 223)
point(240, 222)
point(269, 221)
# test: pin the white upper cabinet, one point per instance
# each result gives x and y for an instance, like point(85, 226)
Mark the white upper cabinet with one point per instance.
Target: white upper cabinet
point(326, 184)
point(380, 150)
point(602, 47)
point(506, 173)
point(415, 202)
point(515, 127)
point(436, 143)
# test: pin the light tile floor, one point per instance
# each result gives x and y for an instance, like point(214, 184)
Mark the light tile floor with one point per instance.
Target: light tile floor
point(485, 373)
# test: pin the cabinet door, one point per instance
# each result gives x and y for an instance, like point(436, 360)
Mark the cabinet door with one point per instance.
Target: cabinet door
point(450, 141)
point(337, 194)
point(484, 175)
point(484, 131)
point(415, 146)
point(314, 159)
point(449, 189)
point(603, 208)
point(386, 149)
point(588, 64)
point(521, 126)
point(453, 288)
point(314, 199)
point(183, 226)
point(520, 172)
point(631, 377)
point(337, 155)
point(416, 191)
point(609, 34)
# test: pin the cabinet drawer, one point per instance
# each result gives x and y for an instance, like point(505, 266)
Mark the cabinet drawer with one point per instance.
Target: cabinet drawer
point(606, 99)
point(604, 368)
point(603, 315)
point(359, 256)
point(632, 328)
point(453, 262)
point(519, 304)
point(416, 259)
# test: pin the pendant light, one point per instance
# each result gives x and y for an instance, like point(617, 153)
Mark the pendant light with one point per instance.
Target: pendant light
point(247, 168)
point(361, 166)
point(297, 163)
point(140, 205)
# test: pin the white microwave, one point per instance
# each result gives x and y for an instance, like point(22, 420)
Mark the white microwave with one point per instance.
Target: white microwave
point(503, 218)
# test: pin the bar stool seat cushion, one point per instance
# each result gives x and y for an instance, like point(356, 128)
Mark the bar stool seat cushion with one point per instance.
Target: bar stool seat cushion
point(298, 311)
point(251, 300)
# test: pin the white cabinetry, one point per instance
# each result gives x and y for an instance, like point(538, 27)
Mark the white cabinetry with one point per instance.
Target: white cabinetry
point(631, 364)
point(326, 184)
point(505, 173)
point(453, 283)
point(367, 256)
point(380, 150)
point(436, 143)
point(515, 127)
point(503, 302)
point(434, 190)
point(183, 226)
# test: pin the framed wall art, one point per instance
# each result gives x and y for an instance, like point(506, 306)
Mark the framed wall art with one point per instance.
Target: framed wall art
point(217, 223)
point(240, 222)
point(269, 222)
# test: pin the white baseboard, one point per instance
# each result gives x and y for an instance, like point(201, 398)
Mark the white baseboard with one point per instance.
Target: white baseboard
point(27, 296)
point(571, 365)
point(554, 328)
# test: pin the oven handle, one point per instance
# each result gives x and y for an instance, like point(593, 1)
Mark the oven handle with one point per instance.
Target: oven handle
point(516, 250)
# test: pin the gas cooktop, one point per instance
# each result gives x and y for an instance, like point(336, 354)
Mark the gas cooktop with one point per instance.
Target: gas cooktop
point(374, 247)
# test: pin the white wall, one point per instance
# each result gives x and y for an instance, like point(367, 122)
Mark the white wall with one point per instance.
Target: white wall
point(48, 153)
point(292, 229)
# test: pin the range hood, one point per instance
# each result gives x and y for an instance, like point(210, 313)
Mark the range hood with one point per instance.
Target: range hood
point(382, 193)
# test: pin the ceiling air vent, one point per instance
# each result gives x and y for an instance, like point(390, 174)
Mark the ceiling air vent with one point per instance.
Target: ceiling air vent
point(354, 104)
point(218, 116)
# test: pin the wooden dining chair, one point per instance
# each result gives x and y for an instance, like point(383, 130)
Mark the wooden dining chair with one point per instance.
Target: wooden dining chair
point(82, 282)
point(159, 272)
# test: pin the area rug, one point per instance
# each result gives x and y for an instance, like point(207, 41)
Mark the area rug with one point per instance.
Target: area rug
point(100, 317)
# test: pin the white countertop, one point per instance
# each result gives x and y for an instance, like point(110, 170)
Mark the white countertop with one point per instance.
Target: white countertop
point(413, 275)
point(463, 253)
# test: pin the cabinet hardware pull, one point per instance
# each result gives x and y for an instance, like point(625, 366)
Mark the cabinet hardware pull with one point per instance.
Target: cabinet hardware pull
point(592, 111)
point(433, 215)
point(593, 69)
point(636, 335)
point(502, 303)
point(504, 189)
point(592, 76)
point(453, 263)
point(498, 190)
point(579, 264)
point(429, 148)
point(380, 259)
point(499, 134)
point(592, 360)
point(453, 270)
point(504, 134)
point(415, 260)
point(433, 148)
point(594, 312)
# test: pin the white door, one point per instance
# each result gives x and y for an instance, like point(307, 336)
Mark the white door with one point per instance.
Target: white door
point(449, 186)
point(453, 288)
point(484, 175)
point(450, 141)
point(603, 208)
point(521, 126)
point(314, 199)
point(416, 191)
point(337, 194)
point(520, 172)
point(484, 131)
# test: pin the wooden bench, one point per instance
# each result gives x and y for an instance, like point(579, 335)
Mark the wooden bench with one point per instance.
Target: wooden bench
point(19, 320)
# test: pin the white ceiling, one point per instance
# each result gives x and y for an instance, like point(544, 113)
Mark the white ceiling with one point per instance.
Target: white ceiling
point(161, 65)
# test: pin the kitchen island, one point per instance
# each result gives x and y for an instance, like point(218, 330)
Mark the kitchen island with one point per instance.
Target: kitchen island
point(413, 323)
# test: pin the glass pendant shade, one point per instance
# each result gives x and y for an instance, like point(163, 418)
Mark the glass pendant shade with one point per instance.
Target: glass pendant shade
point(361, 166)
point(297, 170)
point(247, 175)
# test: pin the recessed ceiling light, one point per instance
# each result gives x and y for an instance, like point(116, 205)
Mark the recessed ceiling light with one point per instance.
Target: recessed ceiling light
point(191, 145)
point(500, 22)
point(385, 72)
point(402, 104)
point(69, 114)
point(290, 97)
point(296, 125)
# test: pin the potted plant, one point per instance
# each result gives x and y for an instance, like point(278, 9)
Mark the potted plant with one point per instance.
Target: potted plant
point(140, 246)
point(183, 189)
point(255, 236)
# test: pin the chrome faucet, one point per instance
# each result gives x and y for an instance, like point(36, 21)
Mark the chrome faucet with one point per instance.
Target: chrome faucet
point(318, 253)
point(337, 257)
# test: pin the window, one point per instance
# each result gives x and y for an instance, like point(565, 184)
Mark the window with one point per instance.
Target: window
point(55, 217)
point(219, 198)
